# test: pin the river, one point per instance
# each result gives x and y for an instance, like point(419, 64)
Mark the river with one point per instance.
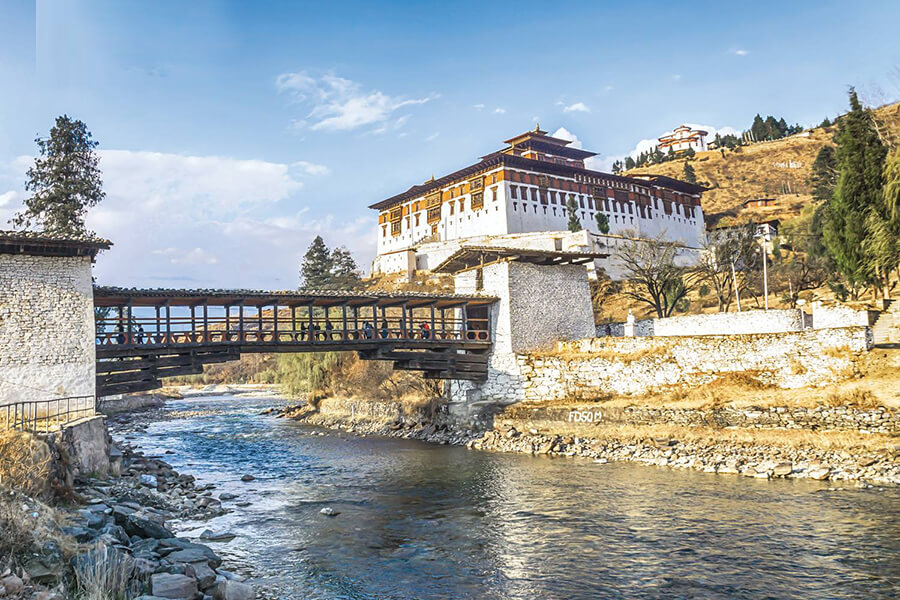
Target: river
point(426, 521)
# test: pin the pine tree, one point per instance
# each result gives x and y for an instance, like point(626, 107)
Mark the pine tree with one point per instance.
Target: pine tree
point(689, 175)
point(65, 181)
point(883, 242)
point(344, 272)
point(572, 208)
point(315, 269)
point(824, 174)
point(617, 167)
point(860, 158)
point(758, 129)
point(629, 162)
point(602, 222)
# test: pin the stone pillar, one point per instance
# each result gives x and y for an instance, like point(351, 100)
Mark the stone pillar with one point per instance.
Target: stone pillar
point(629, 324)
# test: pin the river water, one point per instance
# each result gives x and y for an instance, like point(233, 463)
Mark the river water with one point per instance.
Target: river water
point(426, 521)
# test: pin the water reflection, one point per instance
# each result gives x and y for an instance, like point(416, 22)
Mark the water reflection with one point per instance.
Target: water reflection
point(421, 521)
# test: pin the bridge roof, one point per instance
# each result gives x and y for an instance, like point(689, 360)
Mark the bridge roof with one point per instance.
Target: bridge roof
point(118, 296)
point(472, 257)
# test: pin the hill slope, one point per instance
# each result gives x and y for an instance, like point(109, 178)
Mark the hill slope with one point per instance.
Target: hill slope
point(778, 169)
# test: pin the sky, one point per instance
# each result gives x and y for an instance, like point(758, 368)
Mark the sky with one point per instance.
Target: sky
point(232, 133)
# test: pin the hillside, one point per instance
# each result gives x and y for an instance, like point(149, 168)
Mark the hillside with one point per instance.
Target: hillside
point(778, 169)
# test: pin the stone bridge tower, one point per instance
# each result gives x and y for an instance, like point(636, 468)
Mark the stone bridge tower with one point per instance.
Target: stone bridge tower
point(543, 297)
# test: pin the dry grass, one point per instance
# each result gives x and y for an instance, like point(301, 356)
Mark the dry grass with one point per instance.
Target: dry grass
point(857, 397)
point(839, 352)
point(659, 353)
point(782, 438)
point(27, 524)
point(24, 463)
point(104, 573)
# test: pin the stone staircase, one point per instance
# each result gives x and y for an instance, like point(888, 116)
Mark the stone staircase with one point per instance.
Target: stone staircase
point(884, 329)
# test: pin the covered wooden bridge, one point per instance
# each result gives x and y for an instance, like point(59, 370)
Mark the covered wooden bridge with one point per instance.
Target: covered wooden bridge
point(144, 335)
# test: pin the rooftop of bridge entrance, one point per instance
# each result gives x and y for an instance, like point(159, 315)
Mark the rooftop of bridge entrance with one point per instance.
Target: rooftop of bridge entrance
point(118, 296)
point(474, 257)
point(38, 243)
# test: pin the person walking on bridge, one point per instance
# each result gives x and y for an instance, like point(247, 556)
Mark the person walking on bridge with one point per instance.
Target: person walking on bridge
point(329, 330)
point(368, 331)
point(384, 329)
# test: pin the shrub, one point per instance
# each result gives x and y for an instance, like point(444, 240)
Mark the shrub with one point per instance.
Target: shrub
point(104, 573)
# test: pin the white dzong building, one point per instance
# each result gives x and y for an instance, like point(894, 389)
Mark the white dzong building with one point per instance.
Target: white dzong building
point(518, 196)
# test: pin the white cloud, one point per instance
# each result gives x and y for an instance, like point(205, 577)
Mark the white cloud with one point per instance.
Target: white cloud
point(195, 256)
point(311, 168)
point(8, 198)
point(564, 134)
point(577, 107)
point(499, 111)
point(433, 136)
point(338, 104)
point(478, 106)
point(181, 221)
point(740, 52)
point(157, 181)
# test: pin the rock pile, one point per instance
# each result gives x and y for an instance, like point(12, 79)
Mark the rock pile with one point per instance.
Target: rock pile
point(122, 525)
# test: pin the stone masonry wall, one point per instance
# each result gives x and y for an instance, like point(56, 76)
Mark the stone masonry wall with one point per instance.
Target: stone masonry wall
point(748, 321)
point(825, 316)
point(46, 327)
point(600, 366)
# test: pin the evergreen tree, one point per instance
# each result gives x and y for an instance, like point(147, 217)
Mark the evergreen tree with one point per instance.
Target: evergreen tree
point(824, 174)
point(65, 181)
point(602, 222)
point(860, 158)
point(670, 155)
point(617, 167)
point(689, 175)
point(315, 269)
point(344, 272)
point(690, 153)
point(883, 242)
point(758, 128)
point(572, 209)
point(629, 163)
point(826, 122)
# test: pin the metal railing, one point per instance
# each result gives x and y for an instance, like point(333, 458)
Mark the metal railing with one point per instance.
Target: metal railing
point(44, 416)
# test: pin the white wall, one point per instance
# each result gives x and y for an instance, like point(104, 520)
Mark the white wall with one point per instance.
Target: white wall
point(47, 331)
point(736, 323)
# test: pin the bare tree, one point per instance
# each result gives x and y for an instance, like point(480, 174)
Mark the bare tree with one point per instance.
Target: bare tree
point(655, 277)
point(728, 257)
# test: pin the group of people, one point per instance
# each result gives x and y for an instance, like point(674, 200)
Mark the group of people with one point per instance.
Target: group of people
point(316, 332)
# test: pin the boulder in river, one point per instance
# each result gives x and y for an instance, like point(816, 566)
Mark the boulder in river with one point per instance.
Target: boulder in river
point(329, 512)
point(168, 585)
point(247, 477)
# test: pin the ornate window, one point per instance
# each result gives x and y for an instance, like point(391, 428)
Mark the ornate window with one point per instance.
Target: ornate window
point(477, 200)
point(476, 184)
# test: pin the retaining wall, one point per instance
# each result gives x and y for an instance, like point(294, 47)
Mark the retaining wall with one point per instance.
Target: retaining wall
point(599, 367)
point(748, 321)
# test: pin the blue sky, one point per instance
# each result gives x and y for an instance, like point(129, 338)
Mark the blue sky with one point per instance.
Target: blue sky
point(233, 132)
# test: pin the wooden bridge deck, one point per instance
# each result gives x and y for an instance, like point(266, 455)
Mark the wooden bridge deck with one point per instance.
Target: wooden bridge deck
point(146, 335)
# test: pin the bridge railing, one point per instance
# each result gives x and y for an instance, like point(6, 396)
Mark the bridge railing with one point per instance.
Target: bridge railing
point(44, 416)
point(265, 327)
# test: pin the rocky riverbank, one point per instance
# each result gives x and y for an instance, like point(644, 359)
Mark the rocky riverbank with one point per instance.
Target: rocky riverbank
point(728, 450)
point(117, 533)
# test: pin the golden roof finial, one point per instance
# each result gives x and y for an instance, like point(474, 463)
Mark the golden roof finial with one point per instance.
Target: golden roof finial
point(537, 127)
